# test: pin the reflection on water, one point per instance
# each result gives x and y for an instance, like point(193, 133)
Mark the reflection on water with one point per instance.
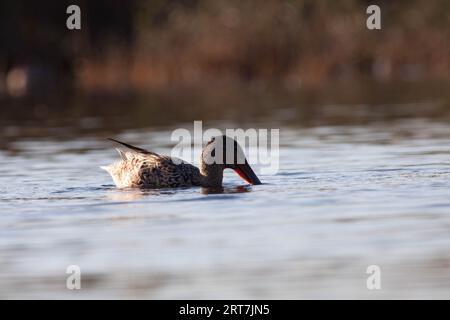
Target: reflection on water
point(242, 106)
point(138, 194)
point(345, 197)
point(233, 189)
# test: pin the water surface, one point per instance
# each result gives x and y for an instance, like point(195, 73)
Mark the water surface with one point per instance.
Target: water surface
point(345, 197)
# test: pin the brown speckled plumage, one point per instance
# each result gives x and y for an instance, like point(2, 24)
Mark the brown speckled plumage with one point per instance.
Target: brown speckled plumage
point(140, 168)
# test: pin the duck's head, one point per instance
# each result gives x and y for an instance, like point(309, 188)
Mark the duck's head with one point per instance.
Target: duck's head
point(222, 153)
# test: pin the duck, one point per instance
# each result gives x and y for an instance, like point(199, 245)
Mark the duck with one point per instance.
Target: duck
point(141, 168)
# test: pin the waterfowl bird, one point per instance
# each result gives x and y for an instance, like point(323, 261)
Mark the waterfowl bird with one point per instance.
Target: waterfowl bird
point(145, 169)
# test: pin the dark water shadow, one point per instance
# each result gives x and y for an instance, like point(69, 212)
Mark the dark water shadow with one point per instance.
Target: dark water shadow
point(226, 190)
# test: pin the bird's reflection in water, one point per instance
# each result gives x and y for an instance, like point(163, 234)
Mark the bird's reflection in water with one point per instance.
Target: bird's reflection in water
point(122, 195)
point(226, 190)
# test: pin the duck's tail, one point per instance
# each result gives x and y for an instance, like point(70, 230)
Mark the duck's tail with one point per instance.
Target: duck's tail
point(106, 168)
point(112, 170)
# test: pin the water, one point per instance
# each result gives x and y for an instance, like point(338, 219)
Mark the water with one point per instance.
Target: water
point(345, 197)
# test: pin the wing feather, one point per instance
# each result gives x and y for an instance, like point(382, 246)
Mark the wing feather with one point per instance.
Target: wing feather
point(133, 148)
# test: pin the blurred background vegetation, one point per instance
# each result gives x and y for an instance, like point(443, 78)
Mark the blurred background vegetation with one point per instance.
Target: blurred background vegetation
point(155, 62)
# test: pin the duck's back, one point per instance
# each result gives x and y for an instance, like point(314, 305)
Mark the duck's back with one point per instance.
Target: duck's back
point(152, 171)
point(164, 173)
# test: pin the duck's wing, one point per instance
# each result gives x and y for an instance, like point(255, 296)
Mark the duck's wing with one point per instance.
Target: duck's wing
point(132, 148)
point(134, 161)
point(146, 169)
